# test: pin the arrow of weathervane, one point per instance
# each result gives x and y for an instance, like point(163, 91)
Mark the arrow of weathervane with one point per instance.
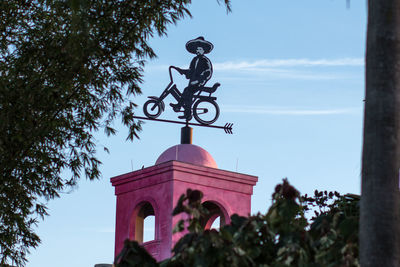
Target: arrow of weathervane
point(227, 127)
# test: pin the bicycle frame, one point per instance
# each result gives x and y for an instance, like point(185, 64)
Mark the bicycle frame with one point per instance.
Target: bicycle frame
point(198, 102)
point(171, 88)
point(174, 91)
point(168, 90)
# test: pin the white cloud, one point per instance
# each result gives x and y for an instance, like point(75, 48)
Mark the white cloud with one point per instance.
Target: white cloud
point(297, 69)
point(288, 111)
point(286, 63)
point(277, 63)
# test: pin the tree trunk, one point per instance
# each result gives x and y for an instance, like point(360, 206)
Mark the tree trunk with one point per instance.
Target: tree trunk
point(380, 201)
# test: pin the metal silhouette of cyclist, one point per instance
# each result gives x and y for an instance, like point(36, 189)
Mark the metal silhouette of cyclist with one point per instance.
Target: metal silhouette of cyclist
point(193, 101)
point(199, 72)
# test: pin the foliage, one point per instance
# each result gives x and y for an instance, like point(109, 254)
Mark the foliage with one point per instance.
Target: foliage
point(134, 255)
point(281, 237)
point(67, 69)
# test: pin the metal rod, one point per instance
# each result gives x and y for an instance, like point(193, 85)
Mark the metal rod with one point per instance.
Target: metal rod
point(186, 123)
point(186, 135)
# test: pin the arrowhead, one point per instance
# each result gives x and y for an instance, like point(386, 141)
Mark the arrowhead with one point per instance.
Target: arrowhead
point(228, 128)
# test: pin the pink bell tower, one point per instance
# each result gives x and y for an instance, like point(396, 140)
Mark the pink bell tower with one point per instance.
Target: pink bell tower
point(155, 191)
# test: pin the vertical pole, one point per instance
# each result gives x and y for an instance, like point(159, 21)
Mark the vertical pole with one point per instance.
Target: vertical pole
point(380, 197)
point(186, 135)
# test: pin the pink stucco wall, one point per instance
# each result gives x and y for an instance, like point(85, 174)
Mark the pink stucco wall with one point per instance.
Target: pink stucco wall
point(161, 185)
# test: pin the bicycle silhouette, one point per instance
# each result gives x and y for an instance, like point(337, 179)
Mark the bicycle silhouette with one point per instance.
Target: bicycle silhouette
point(204, 108)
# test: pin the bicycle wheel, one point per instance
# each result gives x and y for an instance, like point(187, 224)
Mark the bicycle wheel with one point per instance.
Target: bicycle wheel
point(152, 108)
point(205, 111)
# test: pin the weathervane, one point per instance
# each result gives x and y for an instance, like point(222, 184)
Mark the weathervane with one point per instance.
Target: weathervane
point(196, 100)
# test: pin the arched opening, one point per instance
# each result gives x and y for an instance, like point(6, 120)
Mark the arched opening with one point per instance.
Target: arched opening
point(145, 223)
point(149, 228)
point(216, 224)
point(215, 218)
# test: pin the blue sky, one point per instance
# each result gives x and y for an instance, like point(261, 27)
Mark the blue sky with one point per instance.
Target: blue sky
point(292, 82)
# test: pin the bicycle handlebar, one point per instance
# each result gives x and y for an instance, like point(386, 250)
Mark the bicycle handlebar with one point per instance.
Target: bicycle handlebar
point(170, 73)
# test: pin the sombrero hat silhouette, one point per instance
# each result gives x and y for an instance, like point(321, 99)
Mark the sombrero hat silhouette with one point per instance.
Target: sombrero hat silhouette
point(192, 45)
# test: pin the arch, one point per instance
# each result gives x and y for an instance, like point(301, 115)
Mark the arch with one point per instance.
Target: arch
point(225, 207)
point(215, 210)
point(143, 210)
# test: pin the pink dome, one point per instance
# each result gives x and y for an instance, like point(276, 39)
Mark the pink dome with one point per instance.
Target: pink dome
point(188, 153)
